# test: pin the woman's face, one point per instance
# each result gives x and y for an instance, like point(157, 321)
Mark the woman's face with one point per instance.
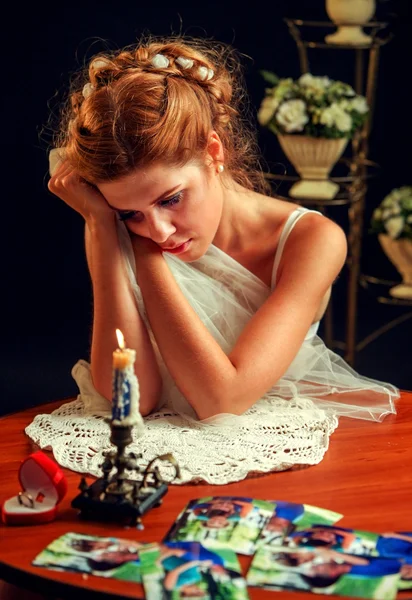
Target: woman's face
point(179, 208)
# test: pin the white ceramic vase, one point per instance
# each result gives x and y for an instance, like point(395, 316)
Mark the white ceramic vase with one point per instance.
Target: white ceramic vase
point(350, 15)
point(399, 253)
point(313, 159)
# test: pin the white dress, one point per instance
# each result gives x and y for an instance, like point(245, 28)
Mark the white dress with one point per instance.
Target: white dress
point(290, 425)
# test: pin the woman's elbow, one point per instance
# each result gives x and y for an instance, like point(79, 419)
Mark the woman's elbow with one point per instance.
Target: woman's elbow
point(149, 395)
point(223, 404)
point(149, 406)
point(150, 398)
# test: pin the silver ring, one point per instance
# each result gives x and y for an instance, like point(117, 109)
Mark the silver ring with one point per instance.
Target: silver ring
point(26, 499)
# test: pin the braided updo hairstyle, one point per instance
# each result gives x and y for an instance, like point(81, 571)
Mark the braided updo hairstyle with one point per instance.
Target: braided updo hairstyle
point(131, 107)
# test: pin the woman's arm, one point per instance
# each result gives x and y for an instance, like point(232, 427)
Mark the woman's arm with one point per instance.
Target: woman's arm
point(209, 379)
point(114, 307)
point(113, 301)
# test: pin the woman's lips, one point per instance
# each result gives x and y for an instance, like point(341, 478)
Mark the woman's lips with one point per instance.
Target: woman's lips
point(178, 249)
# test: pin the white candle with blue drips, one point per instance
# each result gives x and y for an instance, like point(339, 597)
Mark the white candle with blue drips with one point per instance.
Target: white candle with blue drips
point(125, 399)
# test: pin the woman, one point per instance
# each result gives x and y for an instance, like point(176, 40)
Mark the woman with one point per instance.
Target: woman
point(218, 286)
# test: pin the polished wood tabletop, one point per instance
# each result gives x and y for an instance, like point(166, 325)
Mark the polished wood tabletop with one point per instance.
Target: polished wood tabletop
point(366, 475)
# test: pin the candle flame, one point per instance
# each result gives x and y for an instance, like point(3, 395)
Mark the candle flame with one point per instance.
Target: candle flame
point(120, 338)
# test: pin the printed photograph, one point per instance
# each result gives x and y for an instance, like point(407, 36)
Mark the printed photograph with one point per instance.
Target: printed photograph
point(222, 521)
point(102, 556)
point(289, 516)
point(365, 543)
point(325, 571)
point(189, 570)
point(405, 582)
point(336, 538)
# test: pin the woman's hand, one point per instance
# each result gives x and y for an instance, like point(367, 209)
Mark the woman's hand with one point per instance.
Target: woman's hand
point(77, 193)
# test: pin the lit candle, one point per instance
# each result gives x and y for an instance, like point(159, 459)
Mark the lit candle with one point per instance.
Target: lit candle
point(125, 402)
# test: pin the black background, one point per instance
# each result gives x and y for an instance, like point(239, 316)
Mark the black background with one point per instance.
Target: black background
point(47, 307)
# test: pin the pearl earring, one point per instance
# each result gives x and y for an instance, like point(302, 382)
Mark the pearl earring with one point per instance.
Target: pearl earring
point(220, 169)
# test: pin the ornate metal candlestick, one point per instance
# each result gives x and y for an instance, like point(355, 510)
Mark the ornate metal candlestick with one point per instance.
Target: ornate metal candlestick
point(114, 496)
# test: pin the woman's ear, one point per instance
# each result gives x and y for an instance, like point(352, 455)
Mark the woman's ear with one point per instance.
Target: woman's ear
point(215, 154)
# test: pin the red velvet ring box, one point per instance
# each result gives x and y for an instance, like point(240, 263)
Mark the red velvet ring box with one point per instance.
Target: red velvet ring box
point(45, 485)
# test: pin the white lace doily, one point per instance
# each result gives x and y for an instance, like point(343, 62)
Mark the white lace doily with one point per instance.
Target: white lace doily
point(289, 426)
point(274, 435)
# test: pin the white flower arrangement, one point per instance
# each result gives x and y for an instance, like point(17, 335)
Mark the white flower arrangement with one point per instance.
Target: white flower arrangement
point(312, 106)
point(393, 216)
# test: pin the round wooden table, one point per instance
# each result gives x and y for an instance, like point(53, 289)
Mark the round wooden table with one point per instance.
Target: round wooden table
point(366, 474)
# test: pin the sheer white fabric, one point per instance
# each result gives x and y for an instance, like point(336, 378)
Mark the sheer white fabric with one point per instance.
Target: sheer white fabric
point(289, 426)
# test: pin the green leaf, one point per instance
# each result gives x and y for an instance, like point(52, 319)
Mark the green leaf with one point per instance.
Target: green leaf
point(270, 77)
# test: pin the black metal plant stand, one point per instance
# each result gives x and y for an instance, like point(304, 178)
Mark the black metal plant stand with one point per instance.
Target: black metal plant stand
point(359, 169)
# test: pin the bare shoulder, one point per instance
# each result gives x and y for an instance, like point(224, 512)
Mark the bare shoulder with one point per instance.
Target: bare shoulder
point(317, 246)
point(319, 231)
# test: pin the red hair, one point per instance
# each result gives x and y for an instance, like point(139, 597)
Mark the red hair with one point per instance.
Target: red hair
point(137, 112)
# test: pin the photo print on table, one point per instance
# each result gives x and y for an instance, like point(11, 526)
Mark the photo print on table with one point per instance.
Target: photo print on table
point(180, 570)
point(325, 571)
point(108, 557)
point(394, 544)
point(287, 517)
point(353, 541)
point(222, 522)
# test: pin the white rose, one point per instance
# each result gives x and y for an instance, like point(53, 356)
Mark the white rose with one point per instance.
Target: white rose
point(377, 214)
point(308, 80)
point(335, 115)
point(359, 104)
point(326, 117)
point(394, 226)
point(305, 79)
point(343, 122)
point(267, 109)
point(391, 211)
point(388, 201)
point(292, 115)
point(396, 195)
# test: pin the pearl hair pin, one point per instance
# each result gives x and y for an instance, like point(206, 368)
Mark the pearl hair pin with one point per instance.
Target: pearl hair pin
point(160, 61)
point(95, 65)
point(205, 74)
point(88, 89)
point(185, 63)
point(99, 63)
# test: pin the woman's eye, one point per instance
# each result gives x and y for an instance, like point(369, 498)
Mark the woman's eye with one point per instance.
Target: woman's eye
point(130, 214)
point(136, 215)
point(171, 201)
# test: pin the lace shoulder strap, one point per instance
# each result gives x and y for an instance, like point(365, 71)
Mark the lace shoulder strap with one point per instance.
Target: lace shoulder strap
point(287, 228)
